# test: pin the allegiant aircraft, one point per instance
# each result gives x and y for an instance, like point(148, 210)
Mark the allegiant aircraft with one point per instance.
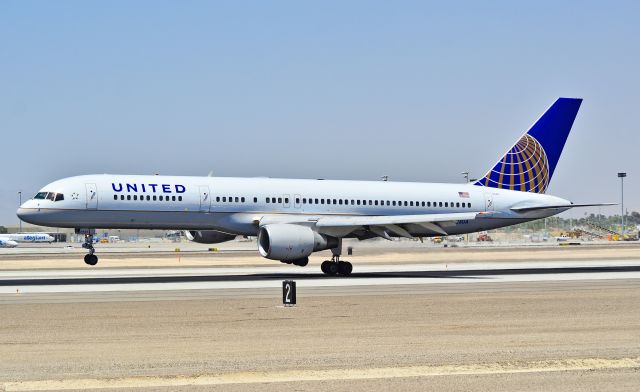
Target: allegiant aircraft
point(293, 218)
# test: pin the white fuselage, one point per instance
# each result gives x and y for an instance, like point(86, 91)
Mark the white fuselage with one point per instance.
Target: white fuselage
point(237, 205)
point(28, 237)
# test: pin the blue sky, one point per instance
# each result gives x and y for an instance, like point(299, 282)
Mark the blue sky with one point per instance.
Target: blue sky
point(350, 90)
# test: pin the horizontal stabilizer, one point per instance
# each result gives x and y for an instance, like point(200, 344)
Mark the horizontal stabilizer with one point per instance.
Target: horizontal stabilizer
point(552, 207)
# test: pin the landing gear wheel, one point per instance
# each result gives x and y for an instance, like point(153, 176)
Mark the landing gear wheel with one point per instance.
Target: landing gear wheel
point(91, 259)
point(332, 268)
point(325, 266)
point(345, 268)
point(301, 262)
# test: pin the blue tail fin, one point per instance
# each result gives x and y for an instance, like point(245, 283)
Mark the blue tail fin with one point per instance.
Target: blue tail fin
point(530, 163)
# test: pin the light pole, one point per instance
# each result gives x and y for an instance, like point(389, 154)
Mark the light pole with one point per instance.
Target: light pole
point(622, 175)
point(466, 176)
point(20, 203)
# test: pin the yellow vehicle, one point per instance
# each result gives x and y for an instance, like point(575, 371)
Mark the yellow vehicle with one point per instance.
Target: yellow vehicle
point(437, 240)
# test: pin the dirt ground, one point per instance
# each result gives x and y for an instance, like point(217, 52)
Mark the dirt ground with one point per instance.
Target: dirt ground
point(561, 336)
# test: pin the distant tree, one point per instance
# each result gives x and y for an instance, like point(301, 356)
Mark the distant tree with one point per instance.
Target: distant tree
point(3, 230)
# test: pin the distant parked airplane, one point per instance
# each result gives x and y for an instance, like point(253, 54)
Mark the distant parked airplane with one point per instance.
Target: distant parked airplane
point(12, 240)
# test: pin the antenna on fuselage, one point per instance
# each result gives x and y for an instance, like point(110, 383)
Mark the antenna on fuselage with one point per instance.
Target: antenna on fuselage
point(210, 174)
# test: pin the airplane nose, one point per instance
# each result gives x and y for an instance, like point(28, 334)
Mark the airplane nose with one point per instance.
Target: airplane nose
point(26, 214)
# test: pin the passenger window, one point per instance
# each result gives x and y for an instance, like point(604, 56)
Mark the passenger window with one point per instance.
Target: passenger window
point(468, 205)
point(370, 202)
point(457, 204)
point(279, 200)
point(304, 200)
point(135, 197)
point(406, 204)
point(316, 201)
point(423, 203)
point(335, 201)
point(321, 201)
point(115, 197)
point(340, 201)
point(155, 197)
point(255, 199)
point(173, 198)
point(128, 197)
point(286, 200)
point(440, 203)
point(237, 199)
point(179, 198)
point(267, 200)
point(446, 204)
point(160, 197)
point(148, 197)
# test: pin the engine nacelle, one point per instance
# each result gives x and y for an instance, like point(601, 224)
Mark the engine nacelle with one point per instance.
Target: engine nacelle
point(291, 242)
point(208, 236)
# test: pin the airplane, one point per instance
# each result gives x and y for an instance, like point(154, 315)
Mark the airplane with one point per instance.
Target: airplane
point(12, 240)
point(28, 237)
point(7, 243)
point(293, 218)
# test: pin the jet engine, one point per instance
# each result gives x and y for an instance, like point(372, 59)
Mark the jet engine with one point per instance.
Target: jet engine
point(208, 236)
point(288, 242)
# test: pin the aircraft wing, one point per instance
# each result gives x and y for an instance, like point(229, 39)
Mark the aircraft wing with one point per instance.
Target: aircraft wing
point(339, 221)
point(385, 225)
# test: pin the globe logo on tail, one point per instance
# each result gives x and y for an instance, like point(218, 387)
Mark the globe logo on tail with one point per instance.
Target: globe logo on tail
point(524, 168)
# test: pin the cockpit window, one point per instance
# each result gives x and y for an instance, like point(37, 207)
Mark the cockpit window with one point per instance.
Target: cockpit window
point(51, 196)
point(59, 197)
point(41, 195)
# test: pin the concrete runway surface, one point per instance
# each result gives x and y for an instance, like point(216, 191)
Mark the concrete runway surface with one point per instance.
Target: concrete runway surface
point(561, 322)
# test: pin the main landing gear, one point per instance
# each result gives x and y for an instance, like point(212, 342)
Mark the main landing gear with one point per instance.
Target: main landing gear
point(336, 266)
point(89, 258)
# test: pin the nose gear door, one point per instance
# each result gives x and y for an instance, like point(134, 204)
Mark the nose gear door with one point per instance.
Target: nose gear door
point(92, 196)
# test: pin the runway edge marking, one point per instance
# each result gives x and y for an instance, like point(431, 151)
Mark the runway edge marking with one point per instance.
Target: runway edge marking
point(276, 376)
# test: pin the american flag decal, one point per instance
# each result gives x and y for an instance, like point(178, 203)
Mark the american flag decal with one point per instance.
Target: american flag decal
point(464, 194)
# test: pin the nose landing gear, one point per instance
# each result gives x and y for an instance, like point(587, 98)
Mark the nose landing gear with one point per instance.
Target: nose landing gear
point(89, 258)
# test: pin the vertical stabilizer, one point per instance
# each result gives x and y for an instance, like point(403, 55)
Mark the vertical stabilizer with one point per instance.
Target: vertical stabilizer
point(529, 165)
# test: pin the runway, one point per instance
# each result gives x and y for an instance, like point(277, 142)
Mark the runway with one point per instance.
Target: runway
point(172, 279)
point(558, 324)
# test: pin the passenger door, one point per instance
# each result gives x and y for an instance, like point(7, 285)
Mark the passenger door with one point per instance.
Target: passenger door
point(205, 198)
point(92, 196)
point(488, 202)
